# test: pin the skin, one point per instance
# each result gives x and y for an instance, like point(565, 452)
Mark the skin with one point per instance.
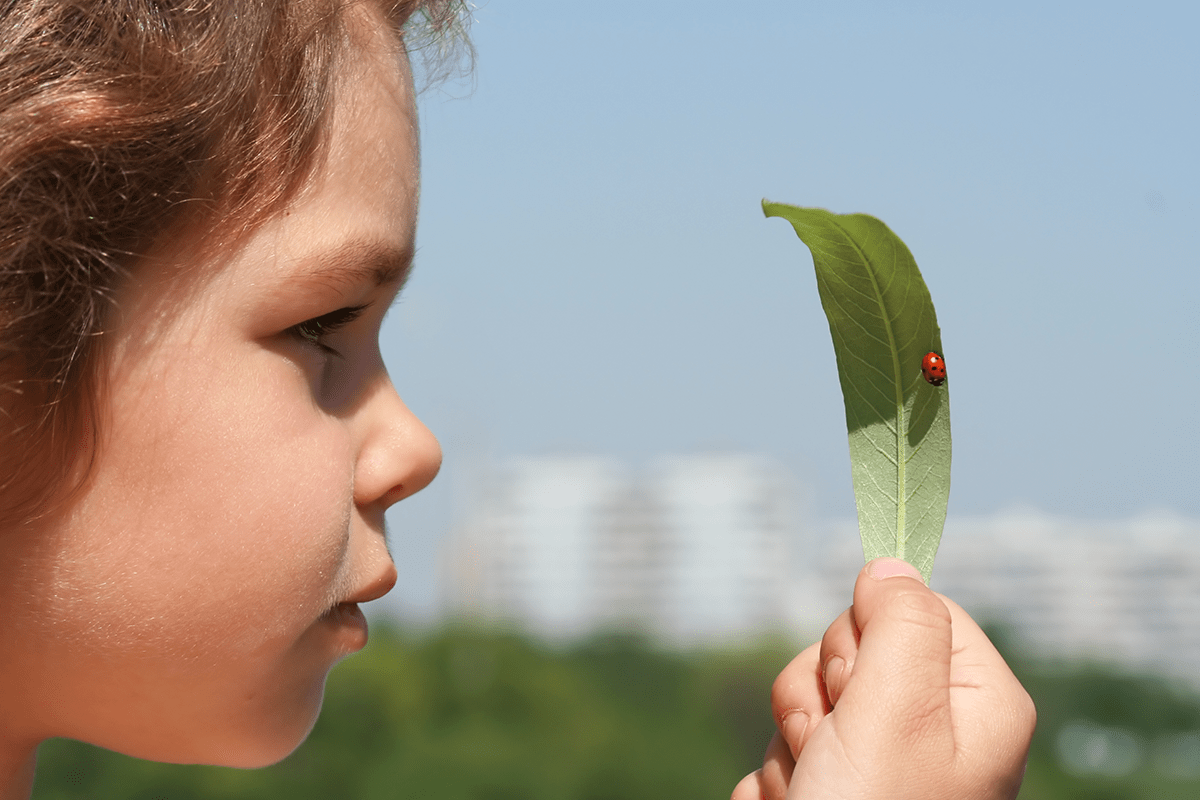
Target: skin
point(189, 603)
point(903, 698)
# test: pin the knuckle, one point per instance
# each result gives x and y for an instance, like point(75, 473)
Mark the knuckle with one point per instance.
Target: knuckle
point(920, 608)
point(1014, 725)
point(784, 698)
point(780, 691)
point(1026, 715)
point(786, 688)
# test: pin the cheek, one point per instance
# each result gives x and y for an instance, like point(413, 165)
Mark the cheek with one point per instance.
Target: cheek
point(220, 511)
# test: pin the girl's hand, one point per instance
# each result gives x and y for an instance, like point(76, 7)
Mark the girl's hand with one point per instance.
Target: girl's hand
point(905, 697)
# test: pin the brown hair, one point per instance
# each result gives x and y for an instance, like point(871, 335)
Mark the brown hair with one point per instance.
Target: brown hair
point(117, 118)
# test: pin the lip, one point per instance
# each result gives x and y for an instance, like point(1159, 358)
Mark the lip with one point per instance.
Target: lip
point(350, 625)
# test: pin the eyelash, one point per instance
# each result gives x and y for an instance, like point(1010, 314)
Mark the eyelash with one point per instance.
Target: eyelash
point(314, 331)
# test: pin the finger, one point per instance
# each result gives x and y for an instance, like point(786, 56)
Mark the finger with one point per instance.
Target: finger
point(749, 787)
point(777, 769)
point(902, 668)
point(798, 699)
point(839, 648)
point(991, 711)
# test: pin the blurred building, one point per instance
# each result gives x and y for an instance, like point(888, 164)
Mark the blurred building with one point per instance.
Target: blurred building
point(693, 549)
point(533, 553)
point(1125, 592)
point(722, 526)
point(706, 548)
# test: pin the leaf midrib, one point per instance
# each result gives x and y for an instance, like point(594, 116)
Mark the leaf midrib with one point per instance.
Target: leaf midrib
point(901, 426)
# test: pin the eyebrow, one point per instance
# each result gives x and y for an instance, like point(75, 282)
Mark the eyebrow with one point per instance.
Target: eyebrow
point(358, 262)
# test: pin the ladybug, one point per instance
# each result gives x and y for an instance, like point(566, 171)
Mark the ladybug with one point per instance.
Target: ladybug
point(934, 368)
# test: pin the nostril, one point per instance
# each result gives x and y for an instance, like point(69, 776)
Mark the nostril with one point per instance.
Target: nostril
point(425, 464)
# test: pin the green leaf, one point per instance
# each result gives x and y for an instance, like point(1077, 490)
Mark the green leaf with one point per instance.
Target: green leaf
point(883, 323)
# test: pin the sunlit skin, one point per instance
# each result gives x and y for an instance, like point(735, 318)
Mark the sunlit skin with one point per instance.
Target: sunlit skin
point(191, 600)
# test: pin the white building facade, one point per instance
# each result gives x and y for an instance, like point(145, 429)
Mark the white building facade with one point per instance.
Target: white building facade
point(692, 549)
point(710, 548)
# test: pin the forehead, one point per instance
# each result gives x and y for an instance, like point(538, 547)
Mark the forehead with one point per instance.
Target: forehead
point(357, 212)
point(354, 218)
point(374, 121)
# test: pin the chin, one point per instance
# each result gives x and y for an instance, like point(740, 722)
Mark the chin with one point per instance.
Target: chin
point(255, 756)
point(239, 749)
point(256, 751)
point(268, 736)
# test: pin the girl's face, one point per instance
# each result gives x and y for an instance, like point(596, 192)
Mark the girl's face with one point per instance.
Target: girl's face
point(190, 603)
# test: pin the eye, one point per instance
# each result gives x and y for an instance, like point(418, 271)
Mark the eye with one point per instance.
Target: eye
point(316, 331)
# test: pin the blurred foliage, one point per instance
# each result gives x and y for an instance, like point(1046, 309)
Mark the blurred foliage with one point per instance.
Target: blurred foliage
point(1145, 709)
point(469, 714)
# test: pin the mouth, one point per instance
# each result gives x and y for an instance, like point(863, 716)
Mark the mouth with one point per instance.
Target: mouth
point(347, 619)
point(350, 624)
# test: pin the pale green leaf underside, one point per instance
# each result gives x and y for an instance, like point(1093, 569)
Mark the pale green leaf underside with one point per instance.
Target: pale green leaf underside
point(883, 323)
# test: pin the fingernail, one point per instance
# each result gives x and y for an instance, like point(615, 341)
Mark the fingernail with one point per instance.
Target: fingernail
point(794, 726)
point(835, 667)
point(882, 568)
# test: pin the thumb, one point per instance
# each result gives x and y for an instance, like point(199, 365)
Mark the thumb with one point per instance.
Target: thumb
point(900, 684)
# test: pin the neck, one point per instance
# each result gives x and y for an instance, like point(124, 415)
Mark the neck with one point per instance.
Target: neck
point(16, 771)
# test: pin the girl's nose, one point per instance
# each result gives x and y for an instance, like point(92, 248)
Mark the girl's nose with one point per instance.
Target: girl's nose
point(399, 455)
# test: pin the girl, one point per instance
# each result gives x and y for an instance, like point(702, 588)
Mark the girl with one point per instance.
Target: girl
point(208, 206)
point(209, 209)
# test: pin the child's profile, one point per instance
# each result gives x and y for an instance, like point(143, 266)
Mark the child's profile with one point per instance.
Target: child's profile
point(229, 438)
point(208, 207)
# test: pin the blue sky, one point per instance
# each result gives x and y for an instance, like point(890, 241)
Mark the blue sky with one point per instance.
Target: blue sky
point(595, 273)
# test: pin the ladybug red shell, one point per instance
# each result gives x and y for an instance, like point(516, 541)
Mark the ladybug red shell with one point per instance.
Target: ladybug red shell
point(933, 367)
